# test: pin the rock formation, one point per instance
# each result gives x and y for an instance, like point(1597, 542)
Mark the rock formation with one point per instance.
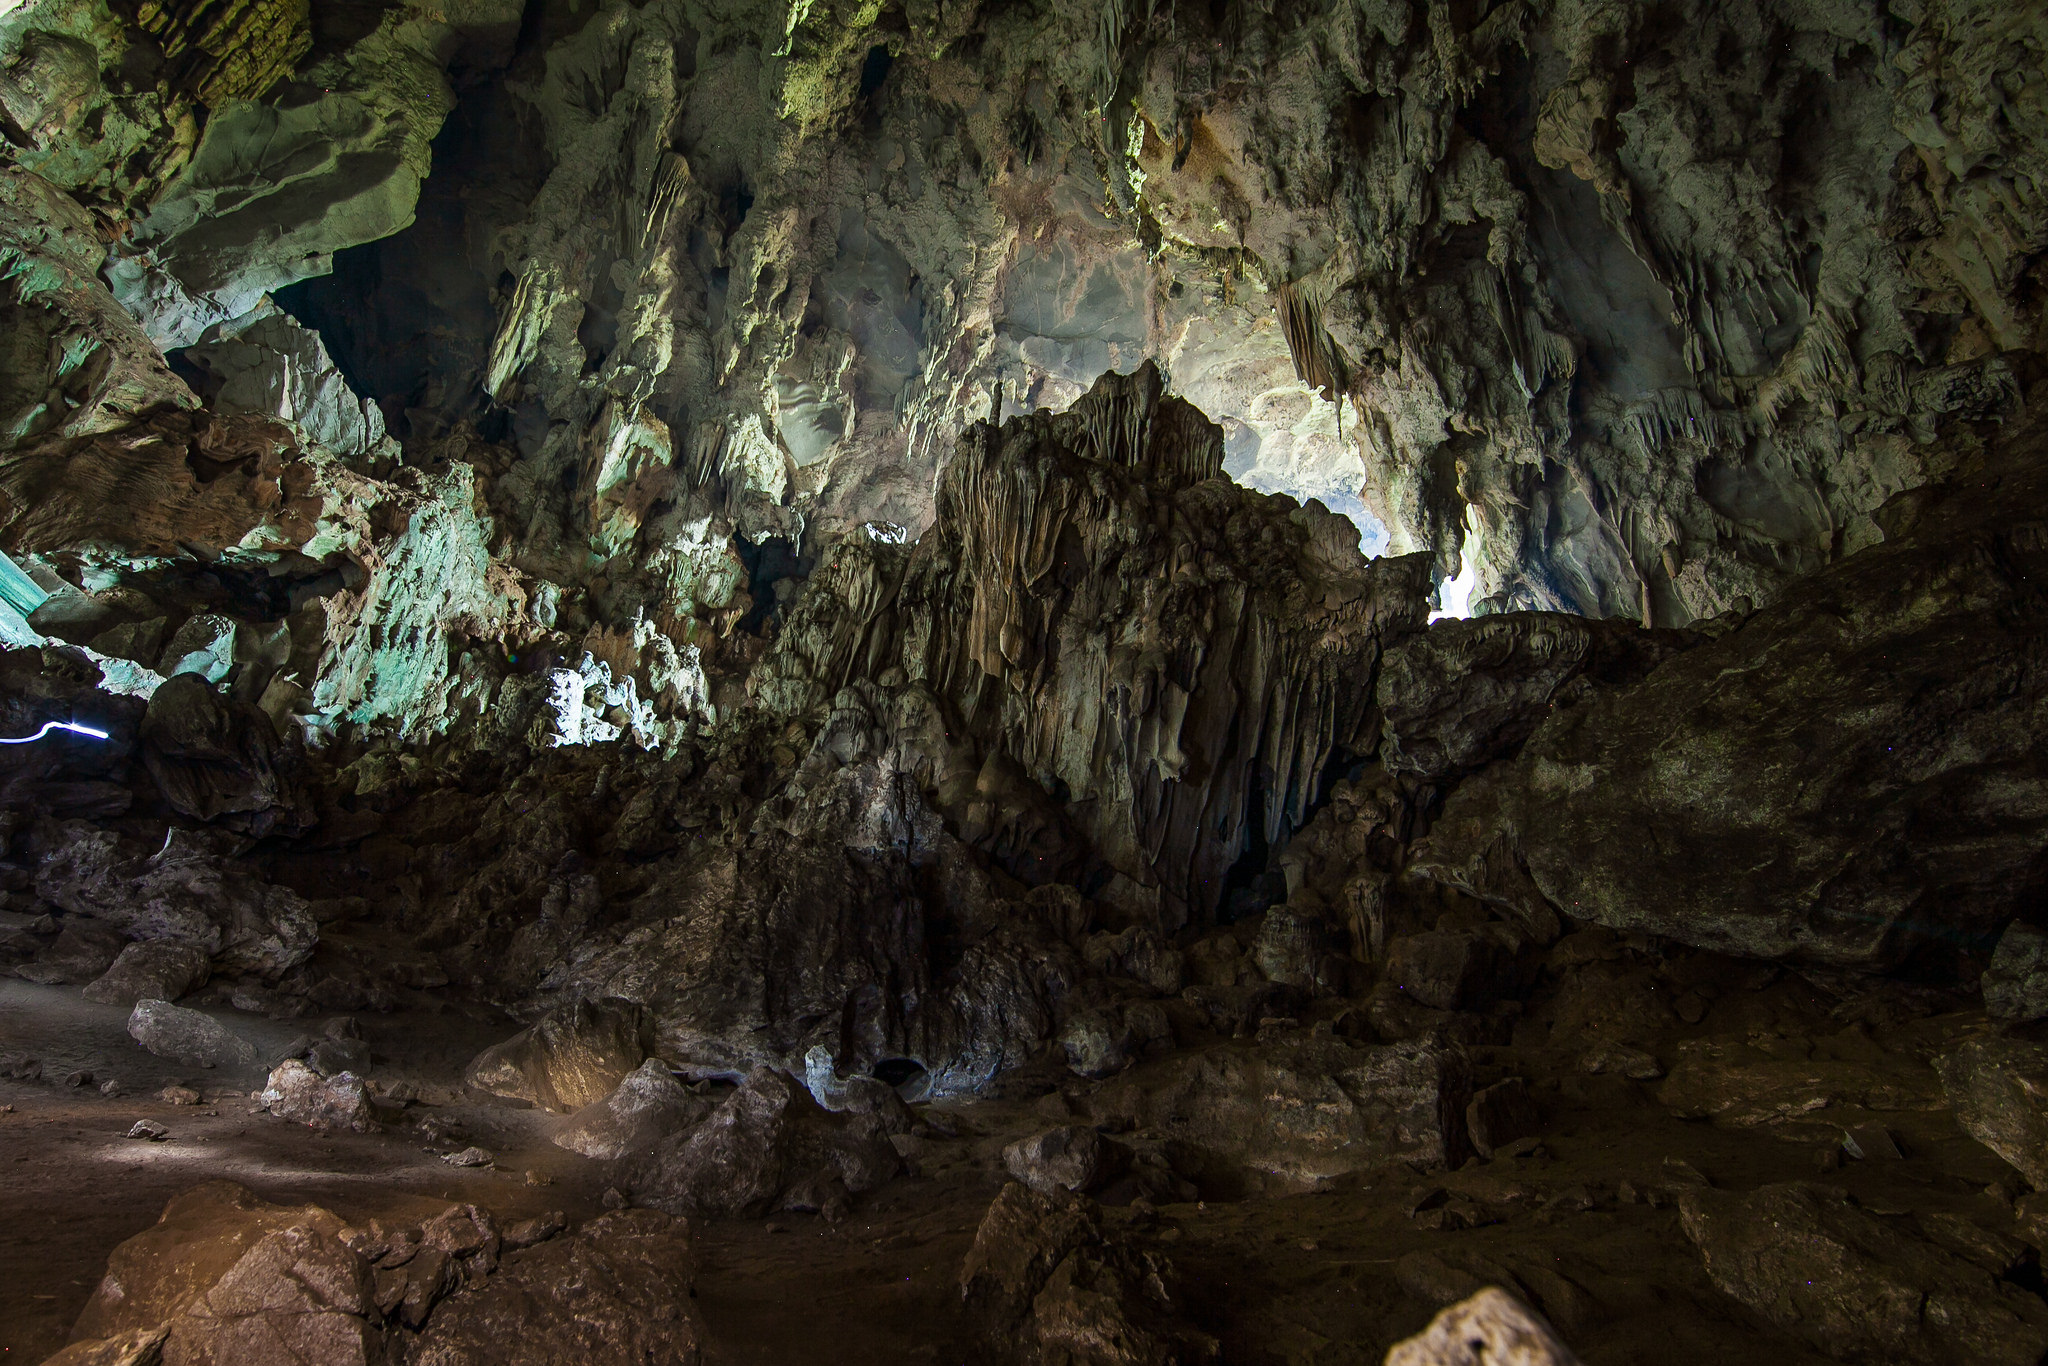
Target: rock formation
point(1133, 683)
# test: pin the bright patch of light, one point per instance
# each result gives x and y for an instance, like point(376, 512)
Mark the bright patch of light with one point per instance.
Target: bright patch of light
point(49, 726)
point(1456, 594)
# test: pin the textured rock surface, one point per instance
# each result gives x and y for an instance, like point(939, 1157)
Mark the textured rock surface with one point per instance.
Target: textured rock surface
point(1859, 1286)
point(615, 1294)
point(648, 1105)
point(1491, 1327)
point(302, 1095)
point(154, 972)
point(1861, 765)
point(188, 1036)
point(766, 1146)
point(1999, 1088)
point(572, 1058)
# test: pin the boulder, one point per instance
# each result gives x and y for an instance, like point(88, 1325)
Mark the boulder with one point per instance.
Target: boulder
point(1859, 1286)
point(298, 1093)
point(187, 1036)
point(299, 1294)
point(2016, 981)
point(1305, 1109)
point(648, 1105)
point(1044, 1271)
point(160, 971)
point(83, 951)
point(767, 1146)
point(1491, 1328)
point(1999, 1090)
point(218, 759)
point(202, 1235)
point(1861, 761)
point(1071, 1157)
point(616, 1293)
point(573, 1057)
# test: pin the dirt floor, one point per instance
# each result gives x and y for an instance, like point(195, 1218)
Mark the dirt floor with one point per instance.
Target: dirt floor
point(1320, 1278)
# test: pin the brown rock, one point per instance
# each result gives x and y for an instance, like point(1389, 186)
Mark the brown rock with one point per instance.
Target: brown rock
point(1858, 1286)
point(616, 1293)
point(1999, 1088)
point(573, 1057)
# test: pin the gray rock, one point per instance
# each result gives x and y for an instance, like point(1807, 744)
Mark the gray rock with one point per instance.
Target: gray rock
point(1464, 693)
point(203, 647)
point(1870, 744)
point(2016, 982)
point(1999, 1090)
point(1097, 1042)
point(330, 1057)
point(1454, 969)
point(1491, 1328)
point(158, 971)
point(1072, 1157)
point(648, 1106)
point(190, 891)
point(762, 1145)
point(187, 1036)
point(297, 1093)
point(83, 951)
point(1859, 1286)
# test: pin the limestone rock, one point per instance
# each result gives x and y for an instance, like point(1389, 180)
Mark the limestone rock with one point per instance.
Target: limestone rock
point(1999, 1090)
point(1821, 737)
point(1855, 1285)
point(202, 1235)
point(83, 951)
point(1128, 481)
point(1044, 1273)
point(575, 1056)
point(218, 759)
point(1499, 1114)
point(1071, 1158)
point(188, 1036)
point(2016, 982)
point(1454, 969)
point(615, 1293)
point(298, 1294)
point(297, 1093)
point(1306, 1109)
point(766, 1144)
point(1491, 1328)
point(648, 1105)
point(156, 971)
point(269, 364)
point(1464, 693)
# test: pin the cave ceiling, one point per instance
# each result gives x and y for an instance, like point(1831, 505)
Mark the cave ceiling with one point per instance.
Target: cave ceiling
point(1620, 310)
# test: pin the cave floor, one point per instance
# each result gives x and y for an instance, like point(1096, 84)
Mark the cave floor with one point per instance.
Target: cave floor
point(1333, 1276)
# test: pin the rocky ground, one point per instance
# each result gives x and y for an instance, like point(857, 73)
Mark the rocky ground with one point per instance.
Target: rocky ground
point(1719, 1162)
